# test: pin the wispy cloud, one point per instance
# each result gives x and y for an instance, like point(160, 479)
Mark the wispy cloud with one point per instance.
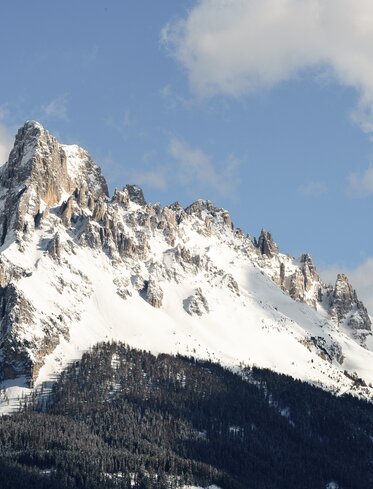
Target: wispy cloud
point(4, 112)
point(56, 108)
point(360, 184)
point(6, 143)
point(145, 173)
point(153, 178)
point(193, 167)
point(173, 99)
point(123, 123)
point(127, 119)
point(314, 188)
point(183, 166)
point(233, 47)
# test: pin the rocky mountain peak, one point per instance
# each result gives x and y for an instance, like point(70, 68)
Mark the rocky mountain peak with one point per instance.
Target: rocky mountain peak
point(41, 174)
point(343, 290)
point(31, 141)
point(135, 194)
point(266, 244)
point(71, 260)
point(39, 160)
point(347, 309)
point(207, 212)
point(30, 131)
point(309, 271)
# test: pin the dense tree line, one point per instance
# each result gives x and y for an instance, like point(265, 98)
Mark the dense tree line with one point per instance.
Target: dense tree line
point(125, 418)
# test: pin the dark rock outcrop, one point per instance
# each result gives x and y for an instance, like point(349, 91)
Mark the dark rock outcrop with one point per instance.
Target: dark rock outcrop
point(37, 175)
point(346, 308)
point(54, 203)
point(266, 244)
point(135, 194)
point(152, 293)
point(196, 304)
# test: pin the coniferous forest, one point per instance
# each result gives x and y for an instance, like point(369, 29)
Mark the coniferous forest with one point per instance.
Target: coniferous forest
point(124, 418)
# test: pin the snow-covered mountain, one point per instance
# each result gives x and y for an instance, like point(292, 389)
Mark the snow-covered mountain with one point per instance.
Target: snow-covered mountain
point(78, 267)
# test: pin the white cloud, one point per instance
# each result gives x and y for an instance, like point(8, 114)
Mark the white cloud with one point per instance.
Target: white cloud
point(186, 166)
point(154, 176)
point(173, 99)
point(127, 119)
point(6, 143)
point(192, 167)
point(361, 185)
point(232, 47)
point(56, 108)
point(155, 179)
point(313, 188)
point(4, 112)
point(124, 125)
point(361, 278)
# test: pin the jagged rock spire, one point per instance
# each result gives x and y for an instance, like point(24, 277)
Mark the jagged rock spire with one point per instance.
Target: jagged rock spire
point(38, 158)
point(346, 307)
point(266, 244)
point(205, 210)
point(39, 174)
point(37, 155)
point(135, 194)
point(59, 229)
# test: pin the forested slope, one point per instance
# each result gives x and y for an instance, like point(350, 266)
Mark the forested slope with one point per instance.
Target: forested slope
point(125, 418)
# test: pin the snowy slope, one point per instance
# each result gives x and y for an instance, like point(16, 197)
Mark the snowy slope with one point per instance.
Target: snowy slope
point(87, 268)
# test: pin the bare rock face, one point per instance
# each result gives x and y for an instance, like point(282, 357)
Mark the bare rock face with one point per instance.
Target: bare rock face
point(37, 156)
point(266, 244)
point(303, 285)
point(346, 308)
point(16, 313)
point(152, 293)
point(296, 277)
point(35, 173)
point(67, 211)
point(210, 216)
point(343, 297)
point(39, 173)
point(296, 289)
point(10, 273)
point(328, 350)
point(121, 197)
point(135, 194)
point(229, 282)
point(42, 179)
point(56, 218)
point(23, 350)
point(196, 304)
point(179, 212)
point(55, 247)
point(185, 257)
point(16, 316)
point(200, 206)
point(309, 271)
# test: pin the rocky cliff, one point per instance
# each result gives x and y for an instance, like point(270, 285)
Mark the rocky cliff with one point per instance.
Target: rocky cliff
point(77, 266)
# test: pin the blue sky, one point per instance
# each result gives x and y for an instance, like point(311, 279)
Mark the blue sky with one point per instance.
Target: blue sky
point(264, 107)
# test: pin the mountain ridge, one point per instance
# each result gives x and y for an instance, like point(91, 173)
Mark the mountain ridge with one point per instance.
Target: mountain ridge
point(74, 262)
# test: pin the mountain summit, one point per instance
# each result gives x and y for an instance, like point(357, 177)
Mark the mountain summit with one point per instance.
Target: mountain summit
point(78, 267)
